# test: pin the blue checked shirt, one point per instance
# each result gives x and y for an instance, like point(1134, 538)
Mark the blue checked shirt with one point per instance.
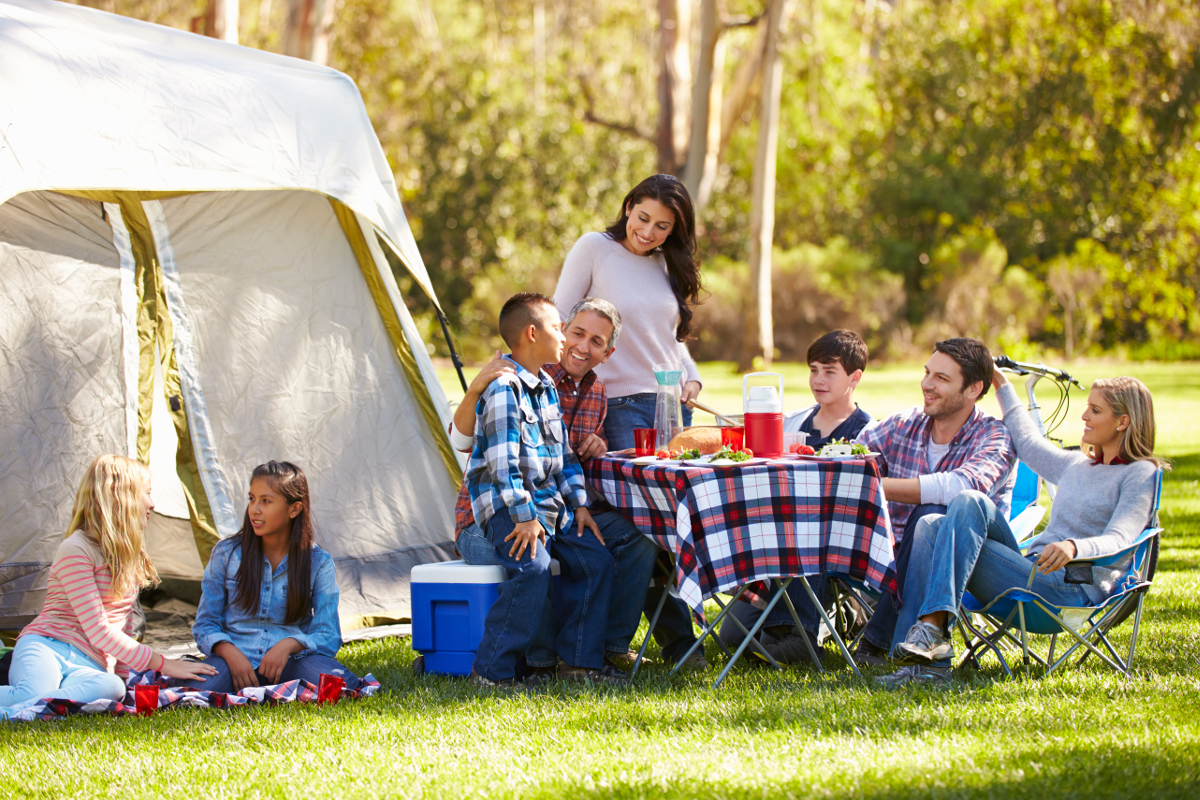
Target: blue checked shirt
point(982, 454)
point(521, 461)
point(219, 620)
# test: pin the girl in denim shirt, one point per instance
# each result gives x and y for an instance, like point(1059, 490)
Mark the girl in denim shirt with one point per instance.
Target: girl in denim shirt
point(269, 609)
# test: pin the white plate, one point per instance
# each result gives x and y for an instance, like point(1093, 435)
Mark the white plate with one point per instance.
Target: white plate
point(703, 461)
point(836, 458)
point(646, 460)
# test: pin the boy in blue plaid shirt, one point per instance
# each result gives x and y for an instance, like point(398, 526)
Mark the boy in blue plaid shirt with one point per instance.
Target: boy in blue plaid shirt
point(526, 489)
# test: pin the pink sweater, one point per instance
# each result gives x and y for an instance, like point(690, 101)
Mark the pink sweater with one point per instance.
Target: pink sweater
point(638, 286)
point(79, 611)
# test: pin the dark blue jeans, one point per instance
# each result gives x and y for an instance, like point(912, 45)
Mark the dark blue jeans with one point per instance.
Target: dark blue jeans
point(882, 627)
point(673, 632)
point(306, 668)
point(586, 568)
point(513, 620)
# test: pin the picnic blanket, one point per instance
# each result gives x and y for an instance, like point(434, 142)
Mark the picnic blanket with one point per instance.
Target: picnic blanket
point(729, 527)
point(296, 691)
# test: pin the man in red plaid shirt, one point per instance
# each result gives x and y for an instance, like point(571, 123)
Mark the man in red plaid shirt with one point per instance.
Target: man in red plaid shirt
point(591, 333)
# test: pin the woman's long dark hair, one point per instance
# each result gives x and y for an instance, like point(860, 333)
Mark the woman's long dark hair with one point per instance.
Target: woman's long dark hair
point(679, 250)
point(288, 480)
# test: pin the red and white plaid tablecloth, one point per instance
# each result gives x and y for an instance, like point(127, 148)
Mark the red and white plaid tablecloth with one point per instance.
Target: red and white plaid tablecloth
point(735, 525)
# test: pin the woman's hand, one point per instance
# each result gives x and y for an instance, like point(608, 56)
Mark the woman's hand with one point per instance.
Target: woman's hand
point(998, 378)
point(1056, 556)
point(691, 390)
point(240, 669)
point(277, 657)
point(186, 670)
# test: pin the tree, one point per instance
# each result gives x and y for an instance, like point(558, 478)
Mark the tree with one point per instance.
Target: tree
point(307, 29)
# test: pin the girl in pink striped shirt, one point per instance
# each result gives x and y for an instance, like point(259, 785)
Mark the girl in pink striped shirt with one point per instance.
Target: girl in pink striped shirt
point(70, 650)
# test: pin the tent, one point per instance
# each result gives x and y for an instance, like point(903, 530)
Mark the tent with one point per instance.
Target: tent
point(194, 271)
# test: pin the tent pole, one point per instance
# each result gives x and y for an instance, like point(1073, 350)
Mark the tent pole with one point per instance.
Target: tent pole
point(454, 356)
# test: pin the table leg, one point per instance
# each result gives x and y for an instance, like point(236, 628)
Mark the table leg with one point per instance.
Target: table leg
point(757, 644)
point(708, 630)
point(832, 630)
point(637, 662)
point(752, 634)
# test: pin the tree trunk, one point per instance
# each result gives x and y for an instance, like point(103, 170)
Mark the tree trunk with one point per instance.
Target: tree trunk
point(220, 20)
point(760, 338)
point(306, 31)
point(674, 84)
point(701, 170)
point(742, 89)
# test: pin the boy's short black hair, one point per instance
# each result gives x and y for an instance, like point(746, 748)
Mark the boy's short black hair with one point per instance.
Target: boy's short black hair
point(840, 345)
point(973, 358)
point(520, 311)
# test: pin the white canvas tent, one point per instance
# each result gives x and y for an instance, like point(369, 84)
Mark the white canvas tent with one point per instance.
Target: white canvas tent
point(192, 272)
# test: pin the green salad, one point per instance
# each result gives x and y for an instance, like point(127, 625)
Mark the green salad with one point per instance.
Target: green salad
point(686, 454)
point(856, 449)
point(727, 454)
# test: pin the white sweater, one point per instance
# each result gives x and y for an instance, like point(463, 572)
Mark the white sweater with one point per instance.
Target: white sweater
point(638, 286)
point(1100, 507)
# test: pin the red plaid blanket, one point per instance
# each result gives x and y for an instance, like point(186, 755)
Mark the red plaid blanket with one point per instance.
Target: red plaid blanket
point(730, 526)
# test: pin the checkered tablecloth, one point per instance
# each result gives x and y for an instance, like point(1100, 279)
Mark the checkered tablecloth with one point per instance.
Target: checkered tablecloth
point(735, 525)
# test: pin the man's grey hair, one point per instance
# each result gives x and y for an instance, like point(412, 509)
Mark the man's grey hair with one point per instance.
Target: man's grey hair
point(605, 309)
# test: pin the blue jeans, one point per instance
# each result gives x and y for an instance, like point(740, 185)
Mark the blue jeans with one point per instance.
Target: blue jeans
point(971, 548)
point(45, 667)
point(673, 631)
point(881, 628)
point(632, 559)
point(306, 668)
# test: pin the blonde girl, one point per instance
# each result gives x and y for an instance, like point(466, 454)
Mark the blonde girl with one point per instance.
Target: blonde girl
point(71, 648)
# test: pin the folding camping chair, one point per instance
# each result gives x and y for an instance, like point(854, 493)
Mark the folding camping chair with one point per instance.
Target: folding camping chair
point(1087, 626)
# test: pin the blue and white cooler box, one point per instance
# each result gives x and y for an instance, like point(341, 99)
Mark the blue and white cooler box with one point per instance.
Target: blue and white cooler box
point(450, 602)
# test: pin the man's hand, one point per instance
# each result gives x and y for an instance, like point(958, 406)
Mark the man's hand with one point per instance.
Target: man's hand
point(584, 518)
point(277, 657)
point(1056, 556)
point(526, 534)
point(240, 669)
point(691, 390)
point(591, 447)
point(464, 415)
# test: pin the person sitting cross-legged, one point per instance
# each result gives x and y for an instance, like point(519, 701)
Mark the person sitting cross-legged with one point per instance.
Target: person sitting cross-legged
point(1103, 502)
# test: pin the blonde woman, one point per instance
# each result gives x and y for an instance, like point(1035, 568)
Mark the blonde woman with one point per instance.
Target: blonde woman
point(70, 649)
point(1103, 502)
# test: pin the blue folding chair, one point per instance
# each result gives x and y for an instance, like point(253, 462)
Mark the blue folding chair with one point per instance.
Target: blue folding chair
point(1089, 627)
point(1025, 514)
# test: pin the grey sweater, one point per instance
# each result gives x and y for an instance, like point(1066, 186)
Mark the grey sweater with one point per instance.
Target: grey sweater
point(1100, 507)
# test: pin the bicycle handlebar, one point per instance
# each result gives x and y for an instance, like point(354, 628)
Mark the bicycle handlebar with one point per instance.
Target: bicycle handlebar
point(1021, 368)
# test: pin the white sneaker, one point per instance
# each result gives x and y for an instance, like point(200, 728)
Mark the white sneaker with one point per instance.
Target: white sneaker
point(925, 644)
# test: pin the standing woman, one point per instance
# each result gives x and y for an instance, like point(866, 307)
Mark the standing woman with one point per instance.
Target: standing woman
point(645, 264)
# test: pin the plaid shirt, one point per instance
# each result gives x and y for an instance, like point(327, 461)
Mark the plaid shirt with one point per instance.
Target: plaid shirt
point(982, 454)
point(521, 462)
point(584, 407)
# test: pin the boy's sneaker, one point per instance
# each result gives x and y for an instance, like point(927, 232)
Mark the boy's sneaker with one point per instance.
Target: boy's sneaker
point(916, 675)
point(623, 661)
point(507, 685)
point(540, 677)
point(868, 655)
point(607, 675)
point(925, 644)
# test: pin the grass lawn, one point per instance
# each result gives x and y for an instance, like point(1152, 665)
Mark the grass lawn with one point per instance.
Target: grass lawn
point(1084, 734)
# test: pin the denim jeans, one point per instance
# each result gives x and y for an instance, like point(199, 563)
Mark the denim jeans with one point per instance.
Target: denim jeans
point(513, 620)
point(673, 632)
point(881, 629)
point(632, 557)
point(306, 668)
point(971, 547)
point(45, 667)
point(732, 636)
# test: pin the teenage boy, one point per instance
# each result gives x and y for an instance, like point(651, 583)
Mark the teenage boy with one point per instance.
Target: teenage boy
point(526, 490)
point(835, 366)
point(933, 453)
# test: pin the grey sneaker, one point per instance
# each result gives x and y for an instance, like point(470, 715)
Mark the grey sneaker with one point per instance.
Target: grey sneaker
point(789, 648)
point(916, 675)
point(925, 644)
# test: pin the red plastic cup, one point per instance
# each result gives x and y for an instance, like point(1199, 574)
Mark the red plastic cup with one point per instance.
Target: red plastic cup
point(733, 438)
point(645, 440)
point(145, 700)
point(329, 688)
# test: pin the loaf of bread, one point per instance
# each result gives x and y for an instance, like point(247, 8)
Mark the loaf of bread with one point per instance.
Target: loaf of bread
point(706, 440)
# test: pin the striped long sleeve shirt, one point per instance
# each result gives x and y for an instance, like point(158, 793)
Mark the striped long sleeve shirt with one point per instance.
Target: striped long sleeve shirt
point(79, 611)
